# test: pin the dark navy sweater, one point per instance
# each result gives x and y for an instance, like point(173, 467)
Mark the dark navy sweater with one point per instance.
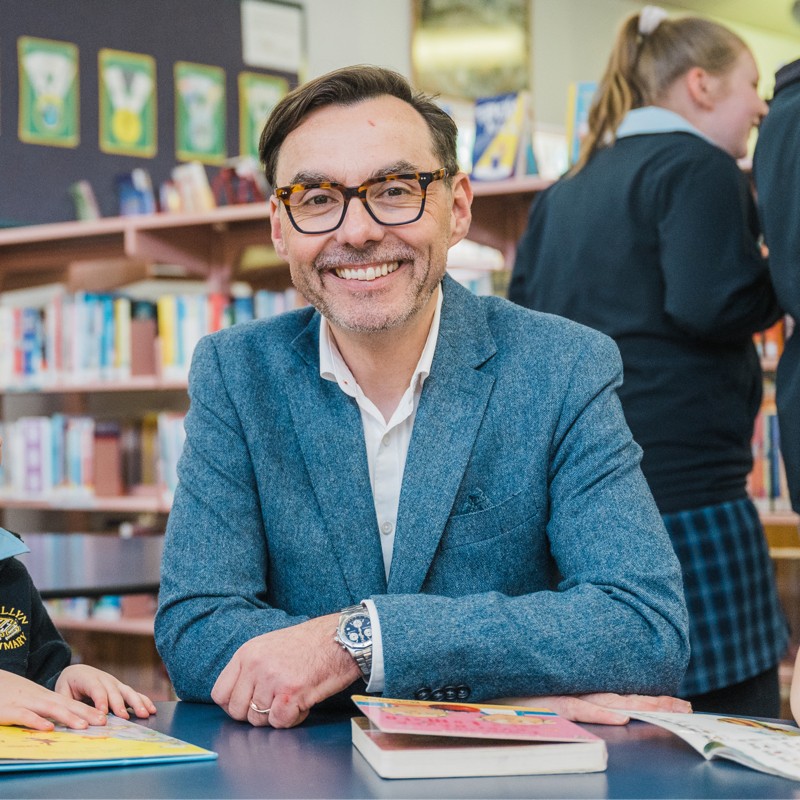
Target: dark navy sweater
point(30, 645)
point(654, 243)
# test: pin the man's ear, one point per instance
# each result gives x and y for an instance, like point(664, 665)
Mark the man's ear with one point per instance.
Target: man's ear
point(461, 212)
point(276, 228)
point(702, 87)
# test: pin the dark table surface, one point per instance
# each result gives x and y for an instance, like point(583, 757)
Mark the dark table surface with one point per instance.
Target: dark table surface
point(317, 760)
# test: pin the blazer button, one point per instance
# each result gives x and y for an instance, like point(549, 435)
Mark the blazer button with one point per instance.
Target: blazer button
point(437, 694)
point(450, 693)
point(462, 692)
point(422, 693)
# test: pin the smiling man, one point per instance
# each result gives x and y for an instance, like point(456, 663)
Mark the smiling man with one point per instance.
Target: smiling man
point(406, 485)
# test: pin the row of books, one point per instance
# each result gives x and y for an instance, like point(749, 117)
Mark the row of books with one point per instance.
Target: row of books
point(83, 337)
point(498, 140)
point(106, 607)
point(767, 481)
point(64, 458)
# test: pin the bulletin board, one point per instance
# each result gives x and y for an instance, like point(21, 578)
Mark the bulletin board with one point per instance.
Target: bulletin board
point(160, 42)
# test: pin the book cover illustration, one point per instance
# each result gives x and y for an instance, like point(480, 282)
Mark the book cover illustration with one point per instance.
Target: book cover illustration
point(471, 720)
point(117, 743)
point(764, 746)
point(503, 144)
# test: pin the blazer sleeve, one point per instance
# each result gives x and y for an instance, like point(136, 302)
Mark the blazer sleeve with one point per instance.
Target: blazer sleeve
point(615, 619)
point(212, 596)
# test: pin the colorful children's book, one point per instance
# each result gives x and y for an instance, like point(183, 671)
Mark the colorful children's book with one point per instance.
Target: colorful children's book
point(764, 746)
point(503, 145)
point(119, 743)
point(416, 739)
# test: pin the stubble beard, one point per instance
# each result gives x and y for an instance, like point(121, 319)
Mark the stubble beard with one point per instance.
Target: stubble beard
point(370, 316)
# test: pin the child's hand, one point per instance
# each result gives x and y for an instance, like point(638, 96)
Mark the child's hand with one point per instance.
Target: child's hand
point(25, 703)
point(80, 682)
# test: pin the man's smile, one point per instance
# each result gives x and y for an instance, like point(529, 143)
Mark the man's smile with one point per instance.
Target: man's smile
point(366, 273)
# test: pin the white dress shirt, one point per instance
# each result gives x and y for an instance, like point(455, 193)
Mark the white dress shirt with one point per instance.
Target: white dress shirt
point(387, 447)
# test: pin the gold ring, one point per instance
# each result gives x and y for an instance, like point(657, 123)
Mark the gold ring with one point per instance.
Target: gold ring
point(259, 710)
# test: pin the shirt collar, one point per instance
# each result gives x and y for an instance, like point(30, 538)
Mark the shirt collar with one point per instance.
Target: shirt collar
point(333, 368)
point(654, 119)
point(11, 545)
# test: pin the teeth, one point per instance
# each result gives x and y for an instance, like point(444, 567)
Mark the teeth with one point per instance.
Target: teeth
point(368, 274)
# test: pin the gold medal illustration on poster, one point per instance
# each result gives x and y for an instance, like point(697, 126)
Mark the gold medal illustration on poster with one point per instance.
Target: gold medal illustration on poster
point(48, 92)
point(258, 95)
point(127, 84)
point(200, 131)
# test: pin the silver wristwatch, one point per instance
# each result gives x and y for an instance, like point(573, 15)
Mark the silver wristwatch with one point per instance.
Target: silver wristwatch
point(354, 634)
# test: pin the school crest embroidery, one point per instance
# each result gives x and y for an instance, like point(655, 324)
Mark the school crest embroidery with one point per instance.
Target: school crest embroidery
point(12, 635)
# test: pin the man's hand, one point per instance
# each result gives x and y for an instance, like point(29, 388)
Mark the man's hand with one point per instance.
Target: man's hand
point(286, 671)
point(597, 708)
point(25, 703)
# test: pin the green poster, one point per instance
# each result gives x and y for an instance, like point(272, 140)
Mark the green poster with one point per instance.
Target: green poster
point(127, 83)
point(199, 113)
point(258, 95)
point(48, 92)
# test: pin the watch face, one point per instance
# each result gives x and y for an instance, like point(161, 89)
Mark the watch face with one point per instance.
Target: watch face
point(357, 631)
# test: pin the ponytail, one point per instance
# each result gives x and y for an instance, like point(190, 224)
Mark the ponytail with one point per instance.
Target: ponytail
point(643, 66)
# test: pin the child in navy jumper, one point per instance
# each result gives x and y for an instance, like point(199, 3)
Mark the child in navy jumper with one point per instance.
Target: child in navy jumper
point(652, 238)
point(37, 683)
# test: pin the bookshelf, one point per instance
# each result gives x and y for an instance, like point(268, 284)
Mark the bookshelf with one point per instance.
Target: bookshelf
point(100, 256)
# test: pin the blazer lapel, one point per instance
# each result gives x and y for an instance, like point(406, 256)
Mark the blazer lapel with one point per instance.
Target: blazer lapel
point(331, 436)
point(450, 412)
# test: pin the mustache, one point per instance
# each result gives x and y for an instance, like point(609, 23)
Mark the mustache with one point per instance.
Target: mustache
point(350, 256)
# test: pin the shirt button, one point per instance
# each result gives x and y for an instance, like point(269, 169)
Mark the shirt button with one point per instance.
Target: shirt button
point(385, 441)
point(386, 528)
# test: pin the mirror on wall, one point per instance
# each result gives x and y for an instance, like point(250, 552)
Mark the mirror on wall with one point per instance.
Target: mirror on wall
point(471, 48)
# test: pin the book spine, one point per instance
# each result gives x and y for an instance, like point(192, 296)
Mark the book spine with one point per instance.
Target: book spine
point(122, 338)
point(167, 334)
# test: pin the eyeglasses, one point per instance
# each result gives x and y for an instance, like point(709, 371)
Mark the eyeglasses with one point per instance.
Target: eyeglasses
point(397, 199)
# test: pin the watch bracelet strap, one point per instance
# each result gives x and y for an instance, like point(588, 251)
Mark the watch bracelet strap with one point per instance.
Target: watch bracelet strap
point(364, 661)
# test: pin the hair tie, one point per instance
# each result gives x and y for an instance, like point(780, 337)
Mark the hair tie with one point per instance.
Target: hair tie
point(650, 17)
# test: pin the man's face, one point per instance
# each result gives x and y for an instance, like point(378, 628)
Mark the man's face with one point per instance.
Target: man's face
point(366, 277)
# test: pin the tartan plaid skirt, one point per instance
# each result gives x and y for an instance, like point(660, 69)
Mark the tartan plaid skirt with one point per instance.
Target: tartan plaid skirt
point(736, 626)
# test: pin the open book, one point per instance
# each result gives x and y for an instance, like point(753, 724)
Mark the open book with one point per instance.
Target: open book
point(765, 746)
point(117, 743)
point(416, 739)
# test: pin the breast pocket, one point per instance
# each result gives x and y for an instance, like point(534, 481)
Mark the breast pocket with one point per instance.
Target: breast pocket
point(502, 547)
point(521, 510)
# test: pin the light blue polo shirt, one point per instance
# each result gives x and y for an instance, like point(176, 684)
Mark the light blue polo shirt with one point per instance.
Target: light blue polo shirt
point(10, 545)
point(655, 119)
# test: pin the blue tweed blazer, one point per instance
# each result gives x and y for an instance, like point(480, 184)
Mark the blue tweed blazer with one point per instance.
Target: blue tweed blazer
point(529, 555)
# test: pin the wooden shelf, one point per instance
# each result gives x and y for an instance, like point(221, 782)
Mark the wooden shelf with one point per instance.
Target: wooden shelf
point(783, 519)
point(129, 504)
point(130, 626)
point(207, 245)
point(142, 383)
point(500, 212)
